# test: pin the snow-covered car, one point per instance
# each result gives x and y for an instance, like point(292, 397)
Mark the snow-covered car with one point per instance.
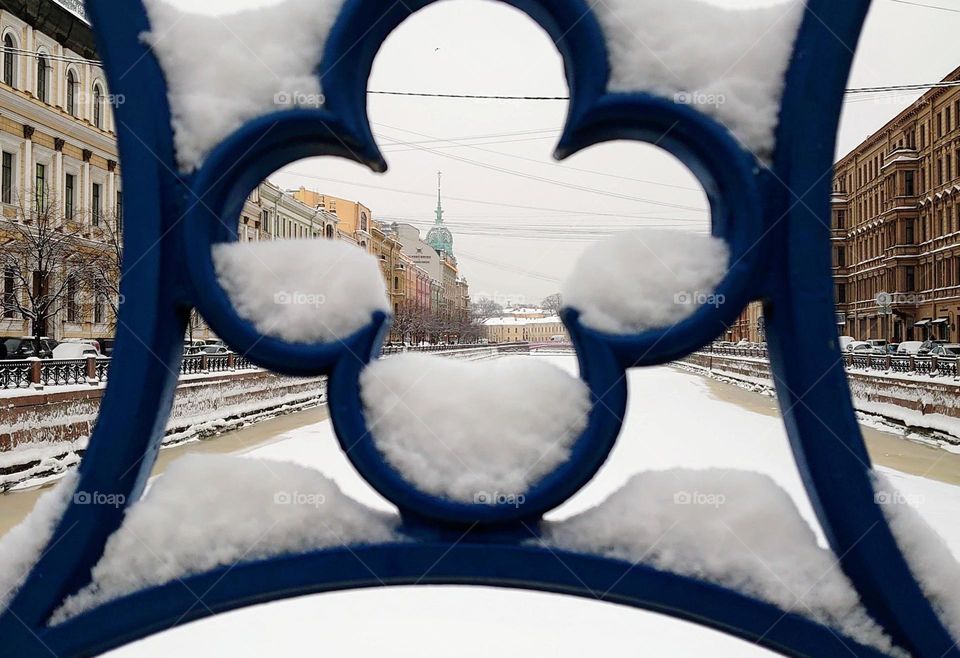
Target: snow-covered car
point(928, 345)
point(864, 347)
point(213, 349)
point(909, 347)
point(74, 351)
point(946, 350)
point(845, 342)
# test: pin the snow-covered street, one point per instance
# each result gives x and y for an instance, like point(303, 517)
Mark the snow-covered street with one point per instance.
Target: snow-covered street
point(675, 419)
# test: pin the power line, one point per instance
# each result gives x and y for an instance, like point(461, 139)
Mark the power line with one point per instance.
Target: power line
point(541, 162)
point(925, 6)
point(492, 97)
point(564, 211)
point(551, 181)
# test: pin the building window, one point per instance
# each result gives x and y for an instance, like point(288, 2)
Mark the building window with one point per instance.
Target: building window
point(6, 178)
point(40, 187)
point(98, 306)
point(43, 69)
point(97, 106)
point(908, 186)
point(9, 293)
point(265, 221)
point(911, 282)
point(9, 61)
point(841, 257)
point(72, 313)
point(95, 210)
point(328, 231)
point(71, 93)
point(68, 196)
point(119, 211)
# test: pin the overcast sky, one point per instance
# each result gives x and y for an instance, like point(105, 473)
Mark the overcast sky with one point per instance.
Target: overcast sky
point(476, 46)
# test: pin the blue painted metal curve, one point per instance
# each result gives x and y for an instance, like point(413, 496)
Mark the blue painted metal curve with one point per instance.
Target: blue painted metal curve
point(759, 211)
point(451, 563)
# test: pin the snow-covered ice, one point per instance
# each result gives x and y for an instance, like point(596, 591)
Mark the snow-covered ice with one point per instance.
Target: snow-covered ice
point(215, 510)
point(645, 278)
point(677, 420)
point(473, 431)
point(735, 528)
point(727, 63)
point(929, 557)
point(303, 291)
point(21, 547)
point(224, 70)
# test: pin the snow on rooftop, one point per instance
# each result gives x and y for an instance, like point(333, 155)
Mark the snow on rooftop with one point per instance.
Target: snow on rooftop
point(735, 528)
point(473, 431)
point(727, 63)
point(930, 559)
point(222, 71)
point(644, 279)
point(303, 291)
point(22, 546)
point(510, 321)
point(209, 511)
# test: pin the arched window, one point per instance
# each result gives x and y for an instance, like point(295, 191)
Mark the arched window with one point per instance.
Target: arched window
point(9, 61)
point(97, 106)
point(363, 221)
point(43, 70)
point(71, 93)
point(329, 231)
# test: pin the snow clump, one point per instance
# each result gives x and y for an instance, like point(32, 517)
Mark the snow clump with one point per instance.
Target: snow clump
point(646, 279)
point(303, 291)
point(209, 511)
point(473, 432)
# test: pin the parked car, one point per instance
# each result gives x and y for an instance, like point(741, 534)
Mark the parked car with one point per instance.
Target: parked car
point(928, 345)
point(106, 346)
point(74, 351)
point(946, 350)
point(85, 341)
point(213, 349)
point(891, 348)
point(879, 343)
point(845, 342)
point(909, 347)
point(864, 347)
point(25, 347)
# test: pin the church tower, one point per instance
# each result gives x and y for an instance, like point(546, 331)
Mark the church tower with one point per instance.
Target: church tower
point(439, 236)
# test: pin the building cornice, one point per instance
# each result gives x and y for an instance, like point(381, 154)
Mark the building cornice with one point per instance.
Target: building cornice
point(21, 109)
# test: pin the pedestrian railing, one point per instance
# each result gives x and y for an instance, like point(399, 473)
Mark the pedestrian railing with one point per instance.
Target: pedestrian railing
point(932, 366)
point(38, 373)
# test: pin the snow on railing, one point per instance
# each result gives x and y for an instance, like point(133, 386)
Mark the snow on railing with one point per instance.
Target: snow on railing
point(34, 372)
point(933, 366)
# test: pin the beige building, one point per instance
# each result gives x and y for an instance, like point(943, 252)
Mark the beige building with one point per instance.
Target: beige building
point(57, 150)
point(519, 329)
point(356, 220)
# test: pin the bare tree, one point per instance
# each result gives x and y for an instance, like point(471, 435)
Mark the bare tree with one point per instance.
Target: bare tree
point(552, 303)
point(485, 308)
point(46, 257)
point(106, 263)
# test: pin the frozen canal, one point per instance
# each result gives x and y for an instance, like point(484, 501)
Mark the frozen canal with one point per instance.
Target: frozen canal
point(675, 419)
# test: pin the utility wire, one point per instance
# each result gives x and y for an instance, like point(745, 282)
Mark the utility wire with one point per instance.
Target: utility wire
point(925, 6)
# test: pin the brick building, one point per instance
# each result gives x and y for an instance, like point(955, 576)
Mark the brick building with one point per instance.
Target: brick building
point(896, 224)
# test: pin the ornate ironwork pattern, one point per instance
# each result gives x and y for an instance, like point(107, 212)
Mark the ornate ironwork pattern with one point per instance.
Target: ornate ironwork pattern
point(778, 209)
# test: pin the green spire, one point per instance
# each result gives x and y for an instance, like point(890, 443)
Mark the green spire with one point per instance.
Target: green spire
point(439, 219)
